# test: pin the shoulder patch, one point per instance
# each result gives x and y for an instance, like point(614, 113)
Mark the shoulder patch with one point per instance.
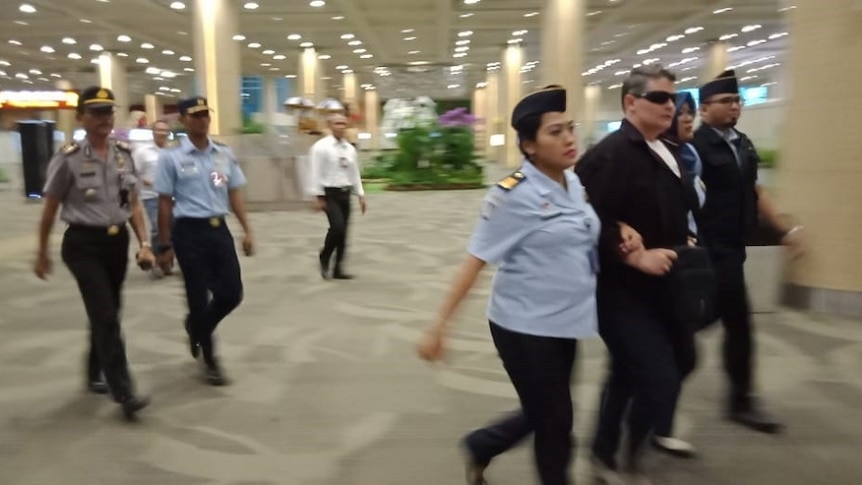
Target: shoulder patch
point(123, 146)
point(511, 181)
point(70, 148)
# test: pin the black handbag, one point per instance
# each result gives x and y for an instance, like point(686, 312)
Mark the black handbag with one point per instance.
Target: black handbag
point(693, 286)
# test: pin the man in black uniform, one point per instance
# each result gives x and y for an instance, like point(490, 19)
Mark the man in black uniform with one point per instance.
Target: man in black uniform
point(96, 184)
point(734, 200)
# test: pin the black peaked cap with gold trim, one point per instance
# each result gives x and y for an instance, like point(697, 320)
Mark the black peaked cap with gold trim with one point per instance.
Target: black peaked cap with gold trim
point(552, 99)
point(725, 83)
point(193, 105)
point(96, 97)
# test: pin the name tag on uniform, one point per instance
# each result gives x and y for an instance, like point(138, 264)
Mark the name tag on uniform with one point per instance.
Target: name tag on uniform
point(87, 174)
point(344, 162)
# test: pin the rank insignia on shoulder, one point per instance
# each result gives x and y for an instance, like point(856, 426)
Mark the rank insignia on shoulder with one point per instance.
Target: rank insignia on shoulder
point(70, 148)
point(511, 181)
point(123, 146)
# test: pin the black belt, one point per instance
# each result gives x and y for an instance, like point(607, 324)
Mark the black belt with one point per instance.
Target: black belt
point(346, 188)
point(202, 221)
point(112, 230)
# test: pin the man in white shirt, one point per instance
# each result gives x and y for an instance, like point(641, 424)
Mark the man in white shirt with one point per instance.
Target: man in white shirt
point(146, 159)
point(334, 176)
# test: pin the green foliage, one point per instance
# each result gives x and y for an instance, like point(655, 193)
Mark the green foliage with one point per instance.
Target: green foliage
point(381, 168)
point(768, 158)
point(250, 127)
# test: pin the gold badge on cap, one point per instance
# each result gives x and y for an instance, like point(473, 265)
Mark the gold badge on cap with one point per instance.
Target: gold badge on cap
point(200, 102)
point(102, 94)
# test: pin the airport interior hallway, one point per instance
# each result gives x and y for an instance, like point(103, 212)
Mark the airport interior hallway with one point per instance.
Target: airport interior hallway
point(327, 389)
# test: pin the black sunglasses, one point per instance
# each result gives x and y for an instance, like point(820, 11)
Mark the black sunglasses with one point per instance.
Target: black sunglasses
point(657, 97)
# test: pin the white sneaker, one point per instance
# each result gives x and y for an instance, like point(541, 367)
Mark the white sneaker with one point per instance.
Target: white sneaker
point(675, 447)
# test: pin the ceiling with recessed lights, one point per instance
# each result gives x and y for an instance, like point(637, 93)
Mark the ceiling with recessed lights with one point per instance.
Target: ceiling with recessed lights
point(438, 48)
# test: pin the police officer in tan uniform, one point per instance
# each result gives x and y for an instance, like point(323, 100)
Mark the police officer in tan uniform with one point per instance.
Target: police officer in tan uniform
point(93, 184)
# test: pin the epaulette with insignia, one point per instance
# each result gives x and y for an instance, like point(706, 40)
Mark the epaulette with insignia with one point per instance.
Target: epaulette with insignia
point(70, 148)
point(123, 146)
point(511, 181)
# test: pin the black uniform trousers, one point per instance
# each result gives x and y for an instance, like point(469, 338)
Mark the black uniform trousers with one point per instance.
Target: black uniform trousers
point(734, 310)
point(207, 256)
point(98, 262)
point(540, 368)
point(650, 355)
point(338, 213)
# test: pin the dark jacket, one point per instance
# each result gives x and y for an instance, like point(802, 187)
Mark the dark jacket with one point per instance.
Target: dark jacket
point(627, 182)
point(730, 211)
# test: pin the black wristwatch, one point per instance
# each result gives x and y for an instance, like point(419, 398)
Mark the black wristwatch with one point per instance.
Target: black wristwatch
point(165, 247)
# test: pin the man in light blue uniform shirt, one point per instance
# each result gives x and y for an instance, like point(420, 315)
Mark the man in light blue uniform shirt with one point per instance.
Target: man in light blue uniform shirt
point(539, 229)
point(198, 184)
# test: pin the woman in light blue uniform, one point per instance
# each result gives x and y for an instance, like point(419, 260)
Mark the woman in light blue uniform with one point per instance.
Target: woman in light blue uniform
point(540, 230)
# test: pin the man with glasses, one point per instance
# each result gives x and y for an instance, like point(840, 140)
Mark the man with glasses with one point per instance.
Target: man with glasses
point(198, 184)
point(734, 200)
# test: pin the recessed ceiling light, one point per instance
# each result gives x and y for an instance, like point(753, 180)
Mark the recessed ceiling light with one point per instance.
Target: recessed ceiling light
point(290, 76)
point(238, 37)
point(347, 36)
point(178, 5)
point(466, 15)
point(338, 17)
point(307, 44)
point(254, 45)
point(531, 14)
point(519, 33)
point(359, 51)
point(751, 28)
point(189, 69)
point(324, 57)
point(278, 19)
point(294, 37)
point(462, 42)
point(124, 38)
point(366, 56)
point(407, 31)
point(414, 52)
point(4, 63)
point(35, 72)
point(69, 41)
point(693, 30)
point(21, 22)
point(86, 21)
point(147, 45)
point(122, 54)
point(168, 52)
point(27, 8)
point(96, 47)
point(410, 38)
point(74, 56)
point(459, 54)
point(142, 60)
point(316, 3)
point(182, 32)
point(15, 42)
point(355, 42)
point(462, 49)
point(54, 74)
point(265, 64)
point(186, 59)
point(728, 36)
point(47, 49)
point(268, 52)
point(279, 57)
point(466, 33)
point(722, 10)
point(250, 5)
point(341, 67)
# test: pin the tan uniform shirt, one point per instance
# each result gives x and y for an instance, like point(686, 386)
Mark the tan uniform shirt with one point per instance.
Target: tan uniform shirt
point(91, 189)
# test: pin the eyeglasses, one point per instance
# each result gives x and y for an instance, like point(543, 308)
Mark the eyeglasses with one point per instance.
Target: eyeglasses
point(727, 100)
point(100, 112)
point(657, 97)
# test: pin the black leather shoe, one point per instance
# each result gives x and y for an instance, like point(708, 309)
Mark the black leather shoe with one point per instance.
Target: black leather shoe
point(215, 375)
point(97, 386)
point(194, 345)
point(324, 267)
point(132, 405)
point(338, 275)
point(756, 419)
point(473, 471)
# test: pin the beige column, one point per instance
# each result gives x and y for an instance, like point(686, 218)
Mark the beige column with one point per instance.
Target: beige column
point(480, 129)
point(592, 101)
point(217, 62)
point(819, 174)
point(310, 85)
point(154, 108)
point(112, 75)
point(66, 121)
point(350, 92)
point(717, 61)
point(372, 117)
point(493, 123)
point(510, 94)
point(562, 45)
point(271, 103)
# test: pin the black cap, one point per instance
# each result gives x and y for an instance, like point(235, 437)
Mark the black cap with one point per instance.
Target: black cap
point(550, 99)
point(95, 97)
point(193, 105)
point(725, 83)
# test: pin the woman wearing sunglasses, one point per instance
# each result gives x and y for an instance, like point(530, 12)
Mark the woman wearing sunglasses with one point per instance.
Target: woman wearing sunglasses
point(633, 177)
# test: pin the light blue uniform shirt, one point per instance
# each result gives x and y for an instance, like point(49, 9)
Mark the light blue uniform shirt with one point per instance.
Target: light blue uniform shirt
point(198, 180)
point(543, 238)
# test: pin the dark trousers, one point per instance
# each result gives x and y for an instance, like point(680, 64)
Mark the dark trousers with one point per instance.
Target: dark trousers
point(338, 213)
point(98, 262)
point(650, 355)
point(540, 369)
point(734, 311)
point(208, 260)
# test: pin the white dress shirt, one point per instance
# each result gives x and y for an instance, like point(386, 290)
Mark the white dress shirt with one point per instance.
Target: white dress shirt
point(334, 163)
point(146, 159)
